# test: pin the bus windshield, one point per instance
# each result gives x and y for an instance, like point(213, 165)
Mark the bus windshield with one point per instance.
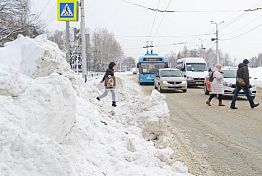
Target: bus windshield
point(151, 67)
point(196, 67)
point(170, 73)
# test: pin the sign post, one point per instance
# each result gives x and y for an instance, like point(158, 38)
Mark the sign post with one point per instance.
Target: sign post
point(67, 10)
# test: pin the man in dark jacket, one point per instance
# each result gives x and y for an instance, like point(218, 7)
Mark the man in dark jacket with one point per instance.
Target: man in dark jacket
point(110, 83)
point(242, 82)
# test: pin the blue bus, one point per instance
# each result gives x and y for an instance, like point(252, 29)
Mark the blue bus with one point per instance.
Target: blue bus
point(148, 66)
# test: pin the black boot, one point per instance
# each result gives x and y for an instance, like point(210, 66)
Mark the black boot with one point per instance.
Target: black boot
point(255, 105)
point(98, 98)
point(114, 103)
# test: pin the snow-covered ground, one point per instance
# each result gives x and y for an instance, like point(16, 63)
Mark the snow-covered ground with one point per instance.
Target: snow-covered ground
point(52, 125)
point(256, 73)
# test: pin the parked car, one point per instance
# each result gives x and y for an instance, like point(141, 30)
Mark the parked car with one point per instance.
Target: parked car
point(230, 83)
point(170, 79)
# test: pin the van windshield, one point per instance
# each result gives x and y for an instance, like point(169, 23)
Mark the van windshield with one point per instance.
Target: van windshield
point(170, 73)
point(229, 73)
point(196, 67)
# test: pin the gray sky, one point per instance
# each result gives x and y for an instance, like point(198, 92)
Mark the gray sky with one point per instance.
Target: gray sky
point(132, 24)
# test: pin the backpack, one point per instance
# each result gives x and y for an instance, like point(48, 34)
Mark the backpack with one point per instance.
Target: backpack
point(211, 76)
point(109, 81)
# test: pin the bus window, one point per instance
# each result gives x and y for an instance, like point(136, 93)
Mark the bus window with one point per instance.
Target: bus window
point(150, 67)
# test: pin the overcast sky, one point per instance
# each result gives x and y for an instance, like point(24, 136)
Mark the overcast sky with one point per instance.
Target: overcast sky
point(132, 24)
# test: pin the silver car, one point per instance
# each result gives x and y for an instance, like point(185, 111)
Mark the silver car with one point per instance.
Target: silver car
point(170, 79)
point(230, 82)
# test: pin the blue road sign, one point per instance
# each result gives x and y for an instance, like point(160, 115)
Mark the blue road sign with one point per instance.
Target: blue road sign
point(67, 10)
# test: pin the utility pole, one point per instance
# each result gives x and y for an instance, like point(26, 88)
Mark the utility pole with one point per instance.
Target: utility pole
point(88, 51)
point(83, 40)
point(67, 42)
point(120, 63)
point(202, 48)
point(216, 39)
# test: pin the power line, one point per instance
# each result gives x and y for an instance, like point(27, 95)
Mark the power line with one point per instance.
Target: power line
point(161, 20)
point(189, 11)
point(234, 19)
point(245, 25)
point(154, 19)
point(165, 36)
point(162, 45)
point(44, 8)
point(243, 33)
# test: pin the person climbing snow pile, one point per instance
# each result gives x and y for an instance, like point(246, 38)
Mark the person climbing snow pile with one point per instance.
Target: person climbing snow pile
point(109, 83)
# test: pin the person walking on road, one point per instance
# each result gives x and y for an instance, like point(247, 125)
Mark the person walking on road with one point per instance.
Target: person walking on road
point(217, 88)
point(109, 83)
point(242, 82)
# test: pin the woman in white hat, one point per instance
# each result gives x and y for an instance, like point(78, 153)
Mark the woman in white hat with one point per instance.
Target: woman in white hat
point(217, 87)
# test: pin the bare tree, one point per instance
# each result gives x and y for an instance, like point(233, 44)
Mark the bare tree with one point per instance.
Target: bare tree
point(59, 38)
point(129, 63)
point(172, 58)
point(15, 18)
point(104, 48)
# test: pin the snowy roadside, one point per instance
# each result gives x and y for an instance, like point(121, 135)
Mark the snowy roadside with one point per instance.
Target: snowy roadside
point(256, 74)
point(51, 123)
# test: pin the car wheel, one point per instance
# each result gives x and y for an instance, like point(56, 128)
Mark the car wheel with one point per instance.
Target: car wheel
point(205, 90)
point(185, 90)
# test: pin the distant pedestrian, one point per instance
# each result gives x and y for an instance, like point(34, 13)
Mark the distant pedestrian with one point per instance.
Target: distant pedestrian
point(242, 82)
point(217, 87)
point(110, 83)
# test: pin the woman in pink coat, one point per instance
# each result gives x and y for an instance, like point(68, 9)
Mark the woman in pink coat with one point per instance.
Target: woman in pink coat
point(217, 87)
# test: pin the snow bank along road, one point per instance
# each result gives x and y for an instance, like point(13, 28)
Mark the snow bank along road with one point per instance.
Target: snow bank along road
point(215, 140)
point(52, 125)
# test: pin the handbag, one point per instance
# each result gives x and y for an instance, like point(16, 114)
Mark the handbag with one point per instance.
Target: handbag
point(241, 81)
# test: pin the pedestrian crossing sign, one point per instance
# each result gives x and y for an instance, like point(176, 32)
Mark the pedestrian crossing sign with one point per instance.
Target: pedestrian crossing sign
point(67, 10)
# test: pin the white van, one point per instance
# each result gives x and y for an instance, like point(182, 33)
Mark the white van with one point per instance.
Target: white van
point(194, 68)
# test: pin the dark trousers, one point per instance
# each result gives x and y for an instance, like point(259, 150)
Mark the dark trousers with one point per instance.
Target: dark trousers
point(248, 95)
point(219, 97)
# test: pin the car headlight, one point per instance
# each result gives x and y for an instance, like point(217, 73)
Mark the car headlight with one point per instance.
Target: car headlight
point(164, 82)
point(227, 84)
point(190, 78)
point(184, 82)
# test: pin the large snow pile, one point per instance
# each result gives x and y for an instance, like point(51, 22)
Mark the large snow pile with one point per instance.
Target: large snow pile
point(34, 58)
point(52, 125)
point(256, 73)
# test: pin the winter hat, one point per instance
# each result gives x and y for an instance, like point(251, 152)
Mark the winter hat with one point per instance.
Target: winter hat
point(218, 67)
point(245, 61)
point(111, 65)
